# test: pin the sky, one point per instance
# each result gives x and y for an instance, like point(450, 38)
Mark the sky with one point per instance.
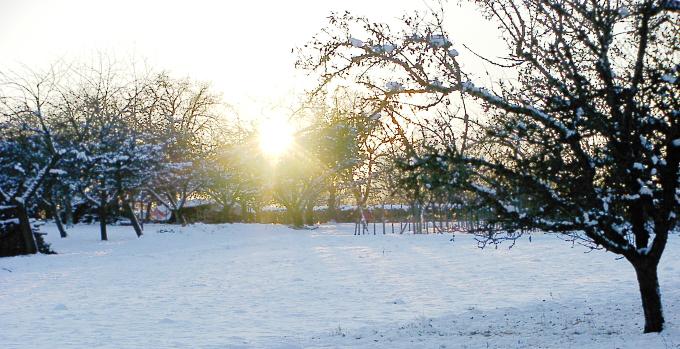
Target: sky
point(242, 47)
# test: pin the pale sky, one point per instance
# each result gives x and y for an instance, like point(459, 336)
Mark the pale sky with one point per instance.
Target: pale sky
point(242, 47)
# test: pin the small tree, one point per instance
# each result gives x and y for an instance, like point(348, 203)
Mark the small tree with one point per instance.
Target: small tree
point(27, 151)
point(340, 140)
point(351, 140)
point(107, 156)
point(297, 182)
point(231, 178)
point(23, 167)
point(589, 131)
point(185, 116)
point(320, 155)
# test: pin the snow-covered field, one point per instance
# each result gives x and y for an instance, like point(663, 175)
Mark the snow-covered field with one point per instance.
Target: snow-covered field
point(266, 286)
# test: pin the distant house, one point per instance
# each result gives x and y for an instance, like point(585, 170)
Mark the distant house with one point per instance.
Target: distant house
point(160, 214)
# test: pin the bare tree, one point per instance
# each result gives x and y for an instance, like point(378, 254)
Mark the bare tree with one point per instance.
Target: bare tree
point(232, 177)
point(28, 152)
point(589, 132)
point(108, 157)
point(185, 113)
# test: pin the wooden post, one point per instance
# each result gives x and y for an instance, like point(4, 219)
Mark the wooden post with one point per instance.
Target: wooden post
point(427, 223)
point(383, 217)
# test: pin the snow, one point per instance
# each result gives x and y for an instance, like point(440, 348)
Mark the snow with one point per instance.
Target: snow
point(671, 5)
point(491, 98)
point(631, 197)
point(31, 187)
point(579, 112)
point(439, 40)
point(645, 143)
point(645, 191)
point(483, 189)
point(199, 202)
point(394, 86)
point(668, 78)
point(387, 48)
point(453, 52)
point(267, 286)
point(509, 208)
point(643, 251)
point(9, 221)
point(356, 42)
point(273, 208)
point(81, 155)
point(435, 83)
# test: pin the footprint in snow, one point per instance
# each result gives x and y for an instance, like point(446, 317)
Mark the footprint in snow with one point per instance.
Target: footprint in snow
point(166, 321)
point(397, 301)
point(60, 307)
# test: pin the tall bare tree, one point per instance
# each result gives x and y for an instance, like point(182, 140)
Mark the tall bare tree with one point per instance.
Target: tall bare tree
point(589, 131)
point(186, 114)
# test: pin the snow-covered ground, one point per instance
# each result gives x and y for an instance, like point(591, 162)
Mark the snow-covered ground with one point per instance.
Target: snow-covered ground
point(266, 286)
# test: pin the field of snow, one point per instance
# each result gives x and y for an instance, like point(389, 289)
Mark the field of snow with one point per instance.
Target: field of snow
point(267, 286)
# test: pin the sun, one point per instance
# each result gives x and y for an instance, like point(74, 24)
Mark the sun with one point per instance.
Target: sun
point(276, 136)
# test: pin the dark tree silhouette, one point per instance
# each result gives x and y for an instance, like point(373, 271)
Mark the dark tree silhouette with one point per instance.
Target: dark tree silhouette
point(586, 139)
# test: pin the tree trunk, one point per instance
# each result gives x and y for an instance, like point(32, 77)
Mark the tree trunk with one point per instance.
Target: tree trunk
point(68, 211)
point(102, 222)
point(57, 219)
point(309, 214)
point(649, 293)
point(133, 219)
point(332, 204)
point(296, 218)
point(244, 211)
point(362, 219)
point(30, 245)
point(182, 219)
point(226, 213)
point(147, 215)
point(179, 217)
point(141, 214)
point(258, 214)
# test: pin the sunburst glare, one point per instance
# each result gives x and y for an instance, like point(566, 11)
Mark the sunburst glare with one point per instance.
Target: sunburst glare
point(276, 136)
